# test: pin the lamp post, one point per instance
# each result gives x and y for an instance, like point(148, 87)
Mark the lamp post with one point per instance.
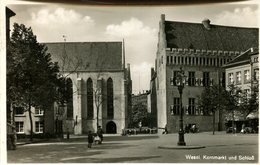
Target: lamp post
point(180, 82)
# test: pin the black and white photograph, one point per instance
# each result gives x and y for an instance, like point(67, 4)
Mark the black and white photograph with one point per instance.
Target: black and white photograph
point(129, 83)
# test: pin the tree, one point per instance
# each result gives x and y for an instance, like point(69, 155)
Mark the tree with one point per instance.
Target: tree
point(212, 100)
point(234, 99)
point(31, 75)
point(139, 114)
point(249, 102)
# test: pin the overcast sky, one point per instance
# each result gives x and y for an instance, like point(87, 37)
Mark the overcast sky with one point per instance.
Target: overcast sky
point(137, 25)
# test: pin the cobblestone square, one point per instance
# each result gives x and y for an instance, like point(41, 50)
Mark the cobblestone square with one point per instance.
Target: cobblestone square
point(219, 148)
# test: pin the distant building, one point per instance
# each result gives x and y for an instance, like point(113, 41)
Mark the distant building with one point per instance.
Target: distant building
point(141, 98)
point(200, 49)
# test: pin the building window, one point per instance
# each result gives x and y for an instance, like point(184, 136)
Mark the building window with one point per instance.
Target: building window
point(191, 80)
point(223, 83)
point(110, 99)
point(238, 77)
point(168, 59)
point(191, 108)
point(171, 59)
point(19, 111)
point(173, 79)
point(69, 91)
point(246, 76)
point(230, 78)
point(256, 74)
point(39, 127)
point(38, 111)
point(206, 79)
point(255, 59)
point(90, 108)
point(175, 108)
point(19, 127)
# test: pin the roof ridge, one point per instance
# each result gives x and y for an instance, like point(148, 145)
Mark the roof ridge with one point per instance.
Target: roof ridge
point(200, 23)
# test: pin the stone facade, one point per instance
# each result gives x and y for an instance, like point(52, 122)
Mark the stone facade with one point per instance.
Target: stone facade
point(101, 64)
point(182, 44)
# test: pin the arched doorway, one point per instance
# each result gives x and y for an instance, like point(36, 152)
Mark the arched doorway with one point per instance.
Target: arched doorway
point(111, 127)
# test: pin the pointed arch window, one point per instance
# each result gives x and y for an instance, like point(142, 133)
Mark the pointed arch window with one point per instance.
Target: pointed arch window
point(69, 98)
point(110, 99)
point(90, 108)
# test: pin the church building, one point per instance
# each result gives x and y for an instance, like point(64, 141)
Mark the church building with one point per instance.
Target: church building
point(100, 83)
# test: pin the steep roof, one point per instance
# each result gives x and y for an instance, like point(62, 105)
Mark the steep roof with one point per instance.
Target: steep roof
point(87, 56)
point(196, 36)
point(243, 58)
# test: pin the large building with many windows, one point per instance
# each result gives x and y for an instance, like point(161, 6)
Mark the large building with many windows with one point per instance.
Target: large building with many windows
point(200, 49)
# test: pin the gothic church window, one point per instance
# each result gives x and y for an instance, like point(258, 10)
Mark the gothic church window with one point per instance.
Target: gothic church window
point(69, 92)
point(110, 99)
point(90, 107)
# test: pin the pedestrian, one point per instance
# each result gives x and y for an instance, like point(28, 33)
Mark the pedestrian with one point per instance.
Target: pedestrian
point(100, 134)
point(186, 128)
point(165, 130)
point(90, 139)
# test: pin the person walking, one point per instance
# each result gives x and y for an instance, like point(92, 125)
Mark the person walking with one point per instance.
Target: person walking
point(100, 134)
point(90, 139)
point(165, 130)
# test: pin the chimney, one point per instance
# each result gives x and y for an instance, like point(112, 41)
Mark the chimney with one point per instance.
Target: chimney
point(163, 17)
point(206, 23)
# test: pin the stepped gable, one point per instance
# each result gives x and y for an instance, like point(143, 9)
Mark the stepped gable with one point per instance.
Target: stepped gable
point(206, 36)
point(86, 56)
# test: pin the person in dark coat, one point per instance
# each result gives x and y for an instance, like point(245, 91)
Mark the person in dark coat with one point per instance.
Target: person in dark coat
point(100, 134)
point(165, 130)
point(90, 139)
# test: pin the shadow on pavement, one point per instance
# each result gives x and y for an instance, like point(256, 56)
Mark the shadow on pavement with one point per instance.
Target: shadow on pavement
point(111, 160)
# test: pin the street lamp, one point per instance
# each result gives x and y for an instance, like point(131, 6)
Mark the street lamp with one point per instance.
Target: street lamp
point(180, 82)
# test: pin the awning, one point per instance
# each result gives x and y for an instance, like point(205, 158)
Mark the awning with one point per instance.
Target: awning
point(253, 115)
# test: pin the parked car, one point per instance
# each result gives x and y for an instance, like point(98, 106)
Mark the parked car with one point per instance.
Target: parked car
point(230, 129)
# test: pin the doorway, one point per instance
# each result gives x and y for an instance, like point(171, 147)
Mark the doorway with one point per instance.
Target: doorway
point(111, 128)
